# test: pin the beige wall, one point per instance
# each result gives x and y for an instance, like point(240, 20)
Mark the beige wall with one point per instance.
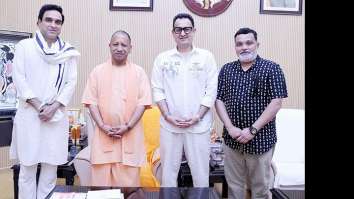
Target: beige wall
point(89, 25)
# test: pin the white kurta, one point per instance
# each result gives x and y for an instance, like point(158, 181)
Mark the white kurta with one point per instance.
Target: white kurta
point(34, 141)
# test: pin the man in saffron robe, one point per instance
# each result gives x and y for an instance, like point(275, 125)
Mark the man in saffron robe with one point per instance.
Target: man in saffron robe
point(117, 94)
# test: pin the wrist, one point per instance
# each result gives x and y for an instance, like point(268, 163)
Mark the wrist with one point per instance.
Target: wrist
point(198, 118)
point(165, 115)
point(32, 101)
point(128, 126)
point(228, 127)
point(35, 103)
point(56, 104)
point(101, 125)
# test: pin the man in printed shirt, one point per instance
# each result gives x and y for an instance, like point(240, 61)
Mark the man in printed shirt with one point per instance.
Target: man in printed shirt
point(117, 93)
point(45, 78)
point(184, 83)
point(250, 92)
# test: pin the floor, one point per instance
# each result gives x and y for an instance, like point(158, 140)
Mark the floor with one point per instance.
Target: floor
point(7, 189)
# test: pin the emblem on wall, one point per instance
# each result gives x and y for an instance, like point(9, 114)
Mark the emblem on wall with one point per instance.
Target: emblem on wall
point(207, 8)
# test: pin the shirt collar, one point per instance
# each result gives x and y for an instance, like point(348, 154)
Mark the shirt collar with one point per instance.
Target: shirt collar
point(176, 52)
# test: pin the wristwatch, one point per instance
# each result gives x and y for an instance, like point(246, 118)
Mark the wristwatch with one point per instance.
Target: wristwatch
point(253, 130)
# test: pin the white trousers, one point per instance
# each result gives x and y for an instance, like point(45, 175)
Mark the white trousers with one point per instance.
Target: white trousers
point(27, 188)
point(196, 147)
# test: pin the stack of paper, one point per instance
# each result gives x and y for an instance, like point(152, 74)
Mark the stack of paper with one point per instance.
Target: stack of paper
point(70, 195)
point(105, 194)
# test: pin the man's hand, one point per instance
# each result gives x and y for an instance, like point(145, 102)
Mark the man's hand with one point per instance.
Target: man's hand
point(47, 111)
point(234, 132)
point(109, 130)
point(120, 130)
point(245, 136)
point(189, 122)
point(106, 128)
point(176, 121)
point(35, 102)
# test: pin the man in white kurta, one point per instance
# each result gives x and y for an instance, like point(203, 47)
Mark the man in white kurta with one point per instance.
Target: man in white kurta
point(184, 82)
point(45, 78)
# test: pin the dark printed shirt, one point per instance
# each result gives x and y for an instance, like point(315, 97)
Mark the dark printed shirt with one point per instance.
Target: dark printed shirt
point(246, 94)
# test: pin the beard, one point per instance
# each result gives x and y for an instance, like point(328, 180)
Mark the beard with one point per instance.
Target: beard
point(247, 56)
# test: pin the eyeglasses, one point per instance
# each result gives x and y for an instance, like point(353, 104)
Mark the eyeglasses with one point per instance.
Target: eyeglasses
point(178, 30)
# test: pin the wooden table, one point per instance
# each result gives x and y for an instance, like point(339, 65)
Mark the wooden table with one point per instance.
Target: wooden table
point(148, 193)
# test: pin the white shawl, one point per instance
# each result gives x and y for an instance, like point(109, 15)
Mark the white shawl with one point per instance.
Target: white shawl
point(58, 54)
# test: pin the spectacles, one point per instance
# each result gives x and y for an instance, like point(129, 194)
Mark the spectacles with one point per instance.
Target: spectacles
point(178, 30)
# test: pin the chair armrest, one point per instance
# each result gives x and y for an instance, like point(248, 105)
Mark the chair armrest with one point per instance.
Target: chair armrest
point(84, 154)
point(82, 166)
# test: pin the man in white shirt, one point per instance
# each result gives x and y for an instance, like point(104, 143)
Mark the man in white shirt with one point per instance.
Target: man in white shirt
point(184, 83)
point(44, 74)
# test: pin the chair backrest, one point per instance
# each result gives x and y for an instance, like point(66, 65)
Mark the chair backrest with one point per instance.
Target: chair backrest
point(150, 173)
point(82, 160)
point(290, 126)
point(151, 124)
point(90, 125)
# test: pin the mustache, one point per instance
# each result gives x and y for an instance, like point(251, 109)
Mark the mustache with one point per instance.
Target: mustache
point(245, 52)
point(119, 52)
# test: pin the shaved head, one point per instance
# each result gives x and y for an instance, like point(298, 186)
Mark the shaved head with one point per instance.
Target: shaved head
point(120, 47)
point(121, 32)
